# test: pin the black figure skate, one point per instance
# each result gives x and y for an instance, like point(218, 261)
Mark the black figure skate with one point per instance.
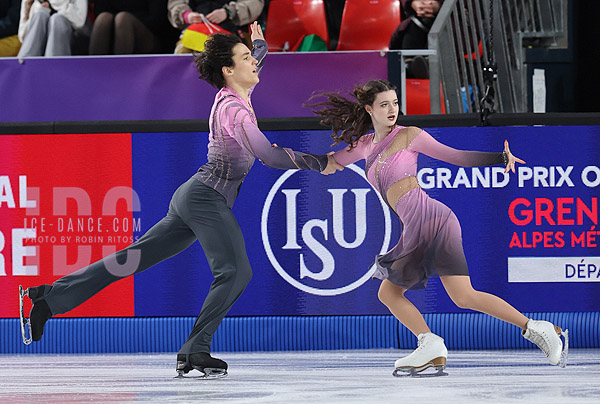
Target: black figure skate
point(32, 328)
point(25, 324)
point(209, 367)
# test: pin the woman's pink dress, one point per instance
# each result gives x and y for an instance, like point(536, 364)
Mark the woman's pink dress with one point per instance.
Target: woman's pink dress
point(431, 240)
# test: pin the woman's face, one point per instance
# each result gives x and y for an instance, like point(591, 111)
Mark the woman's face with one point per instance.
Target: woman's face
point(384, 110)
point(244, 71)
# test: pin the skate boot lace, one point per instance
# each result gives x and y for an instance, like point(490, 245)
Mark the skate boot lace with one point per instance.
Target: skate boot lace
point(541, 340)
point(420, 344)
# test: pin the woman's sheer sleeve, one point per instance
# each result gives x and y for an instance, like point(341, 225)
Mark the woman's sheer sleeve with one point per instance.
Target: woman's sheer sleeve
point(250, 137)
point(426, 144)
point(347, 156)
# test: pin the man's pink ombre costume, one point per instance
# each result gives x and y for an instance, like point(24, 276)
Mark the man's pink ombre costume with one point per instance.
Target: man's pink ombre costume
point(235, 142)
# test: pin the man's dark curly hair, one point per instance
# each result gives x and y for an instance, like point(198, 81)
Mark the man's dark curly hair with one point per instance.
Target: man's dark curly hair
point(218, 52)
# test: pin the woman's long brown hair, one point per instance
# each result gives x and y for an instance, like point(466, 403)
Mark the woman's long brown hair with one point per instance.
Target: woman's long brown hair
point(347, 118)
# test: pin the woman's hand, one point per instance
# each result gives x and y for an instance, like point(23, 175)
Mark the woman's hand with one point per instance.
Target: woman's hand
point(510, 159)
point(256, 31)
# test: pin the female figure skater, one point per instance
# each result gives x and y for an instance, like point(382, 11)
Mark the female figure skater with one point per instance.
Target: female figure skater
point(431, 241)
point(200, 208)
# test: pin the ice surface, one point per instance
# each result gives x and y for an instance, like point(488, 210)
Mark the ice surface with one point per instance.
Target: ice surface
point(357, 376)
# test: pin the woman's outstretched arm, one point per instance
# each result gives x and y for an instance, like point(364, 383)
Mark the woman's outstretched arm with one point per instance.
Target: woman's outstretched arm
point(426, 144)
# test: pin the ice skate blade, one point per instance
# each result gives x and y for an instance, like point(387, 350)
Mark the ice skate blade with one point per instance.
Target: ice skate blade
point(25, 324)
point(207, 373)
point(438, 364)
point(412, 372)
point(564, 356)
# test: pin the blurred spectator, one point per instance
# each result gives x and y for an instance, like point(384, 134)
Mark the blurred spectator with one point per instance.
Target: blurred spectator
point(9, 26)
point(417, 19)
point(233, 16)
point(80, 41)
point(46, 27)
point(123, 27)
point(334, 9)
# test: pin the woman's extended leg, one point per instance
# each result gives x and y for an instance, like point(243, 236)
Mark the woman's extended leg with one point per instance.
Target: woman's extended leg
point(542, 333)
point(461, 292)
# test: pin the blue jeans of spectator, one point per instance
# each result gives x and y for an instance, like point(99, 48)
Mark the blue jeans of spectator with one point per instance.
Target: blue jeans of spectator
point(47, 35)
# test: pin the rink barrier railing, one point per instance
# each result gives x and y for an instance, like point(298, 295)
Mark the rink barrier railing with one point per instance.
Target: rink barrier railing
point(461, 331)
point(293, 123)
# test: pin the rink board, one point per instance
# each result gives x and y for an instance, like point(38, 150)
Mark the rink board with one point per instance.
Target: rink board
point(311, 239)
point(461, 331)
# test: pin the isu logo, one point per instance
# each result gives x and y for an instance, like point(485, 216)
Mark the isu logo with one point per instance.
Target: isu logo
point(323, 240)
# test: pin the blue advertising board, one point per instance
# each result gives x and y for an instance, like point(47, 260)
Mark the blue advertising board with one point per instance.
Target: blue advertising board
point(530, 237)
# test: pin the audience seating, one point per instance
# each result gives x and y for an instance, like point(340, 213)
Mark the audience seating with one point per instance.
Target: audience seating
point(368, 24)
point(289, 21)
point(417, 97)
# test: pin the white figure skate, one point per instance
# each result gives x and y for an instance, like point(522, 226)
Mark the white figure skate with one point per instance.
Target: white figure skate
point(431, 352)
point(547, 337)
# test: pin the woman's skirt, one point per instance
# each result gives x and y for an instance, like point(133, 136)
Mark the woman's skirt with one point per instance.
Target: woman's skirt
point(430, 244)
